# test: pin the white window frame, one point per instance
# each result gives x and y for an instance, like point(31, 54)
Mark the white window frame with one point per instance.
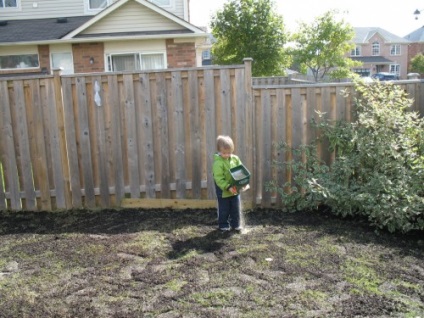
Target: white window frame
point(394, 69)
point(89, 10)
point(23, 68)
point(109, 56)
point(395, 49)
point(375, 49)
point(356, 51)
point(18, 6)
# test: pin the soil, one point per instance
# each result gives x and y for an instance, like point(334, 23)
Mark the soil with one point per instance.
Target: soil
point(164, 263)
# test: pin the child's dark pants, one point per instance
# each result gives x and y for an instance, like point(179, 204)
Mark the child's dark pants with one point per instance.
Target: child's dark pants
point(228, 210)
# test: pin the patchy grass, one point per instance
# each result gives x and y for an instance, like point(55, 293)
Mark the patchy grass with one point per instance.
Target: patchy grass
point(161, 263)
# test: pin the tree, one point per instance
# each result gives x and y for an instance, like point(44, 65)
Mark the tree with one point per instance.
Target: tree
point(322, 46)
point(417, 63)
point(250, 28)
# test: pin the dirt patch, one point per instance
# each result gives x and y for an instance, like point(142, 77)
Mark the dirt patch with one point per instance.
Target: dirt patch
point(138, 263)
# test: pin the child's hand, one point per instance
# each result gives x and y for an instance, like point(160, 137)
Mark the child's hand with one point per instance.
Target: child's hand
point(233, 190)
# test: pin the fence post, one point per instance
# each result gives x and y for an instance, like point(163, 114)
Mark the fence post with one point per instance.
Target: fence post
point(61, 126)
point(249, 130)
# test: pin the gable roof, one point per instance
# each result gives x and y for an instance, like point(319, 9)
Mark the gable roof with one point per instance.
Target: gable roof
point(118, 4)
point(416, 36)
point(364, 34)
point(41, 31)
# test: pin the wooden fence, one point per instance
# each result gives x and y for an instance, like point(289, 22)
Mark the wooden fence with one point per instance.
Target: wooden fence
point(91, 140)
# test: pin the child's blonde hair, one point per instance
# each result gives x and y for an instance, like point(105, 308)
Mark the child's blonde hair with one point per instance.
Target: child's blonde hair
point(224, 142)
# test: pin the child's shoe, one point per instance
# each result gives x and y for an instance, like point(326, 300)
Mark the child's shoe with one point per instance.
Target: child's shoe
point(238, 229)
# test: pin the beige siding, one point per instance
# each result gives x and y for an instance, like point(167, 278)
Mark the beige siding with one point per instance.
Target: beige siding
point(45, 9)
point(132, 17)
point(179, 8)
point(16, 50)
point(139, 46)
point(33, 9)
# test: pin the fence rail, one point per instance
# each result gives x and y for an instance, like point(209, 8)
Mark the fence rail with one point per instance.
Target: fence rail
point(90, 140)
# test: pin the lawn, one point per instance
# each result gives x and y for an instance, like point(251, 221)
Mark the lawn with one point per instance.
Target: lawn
point(166, 264)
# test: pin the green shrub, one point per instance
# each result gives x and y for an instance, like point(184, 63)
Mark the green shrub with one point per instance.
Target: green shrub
point(379, 167)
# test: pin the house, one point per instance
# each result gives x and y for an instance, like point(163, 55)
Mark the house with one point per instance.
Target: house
point(417, 43)
point(380, 51)
point(85, 36)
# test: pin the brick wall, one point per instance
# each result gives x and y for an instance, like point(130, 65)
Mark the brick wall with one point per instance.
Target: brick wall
point(44, 57)
point(84, 53)
point(180, 54)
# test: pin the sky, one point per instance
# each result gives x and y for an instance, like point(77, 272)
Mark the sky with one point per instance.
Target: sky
point(396, 17)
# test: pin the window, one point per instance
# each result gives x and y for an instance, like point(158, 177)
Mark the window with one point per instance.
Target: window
point(97, 4)
point(152, 61)
point(19, 61)
point(395, 69)
point(356, 51)
point(63, 61)
point(162, 3)
point(8, 4)
point(135, 62)
point(395, 49)
point(206, 55)
point(375, 48)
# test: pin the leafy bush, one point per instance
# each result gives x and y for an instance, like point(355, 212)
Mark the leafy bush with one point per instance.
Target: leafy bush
point(379, 167)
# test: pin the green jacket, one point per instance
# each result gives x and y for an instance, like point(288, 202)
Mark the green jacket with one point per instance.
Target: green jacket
point(221, 172)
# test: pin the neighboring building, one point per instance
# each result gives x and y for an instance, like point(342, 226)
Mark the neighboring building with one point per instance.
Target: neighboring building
point(84, 36)
point(417, 44)
point(380, 51)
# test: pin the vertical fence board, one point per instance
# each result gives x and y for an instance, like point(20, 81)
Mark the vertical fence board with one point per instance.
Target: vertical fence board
point(210, 129)
point(139, 105)
point(340, 104)
point(161, 106)
point(85, 144)
point(147, 137)
point(56, 142)
point(240, 114)
point(187, 129)
point(259, 125)
point(281, 137)
point(130, 121)
point(326, 110)
point(311, 111)
point(250, 129)
point(203, 150)
point(70, 133)
point(225, 98)
point(40, 157)
point(195, 135)
point(266, 147)
point(24, 147)
point(9, 162)
point(297, 119)
point(60, 118)
point(115, 144)
point(101, 141)
point(179, 144)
